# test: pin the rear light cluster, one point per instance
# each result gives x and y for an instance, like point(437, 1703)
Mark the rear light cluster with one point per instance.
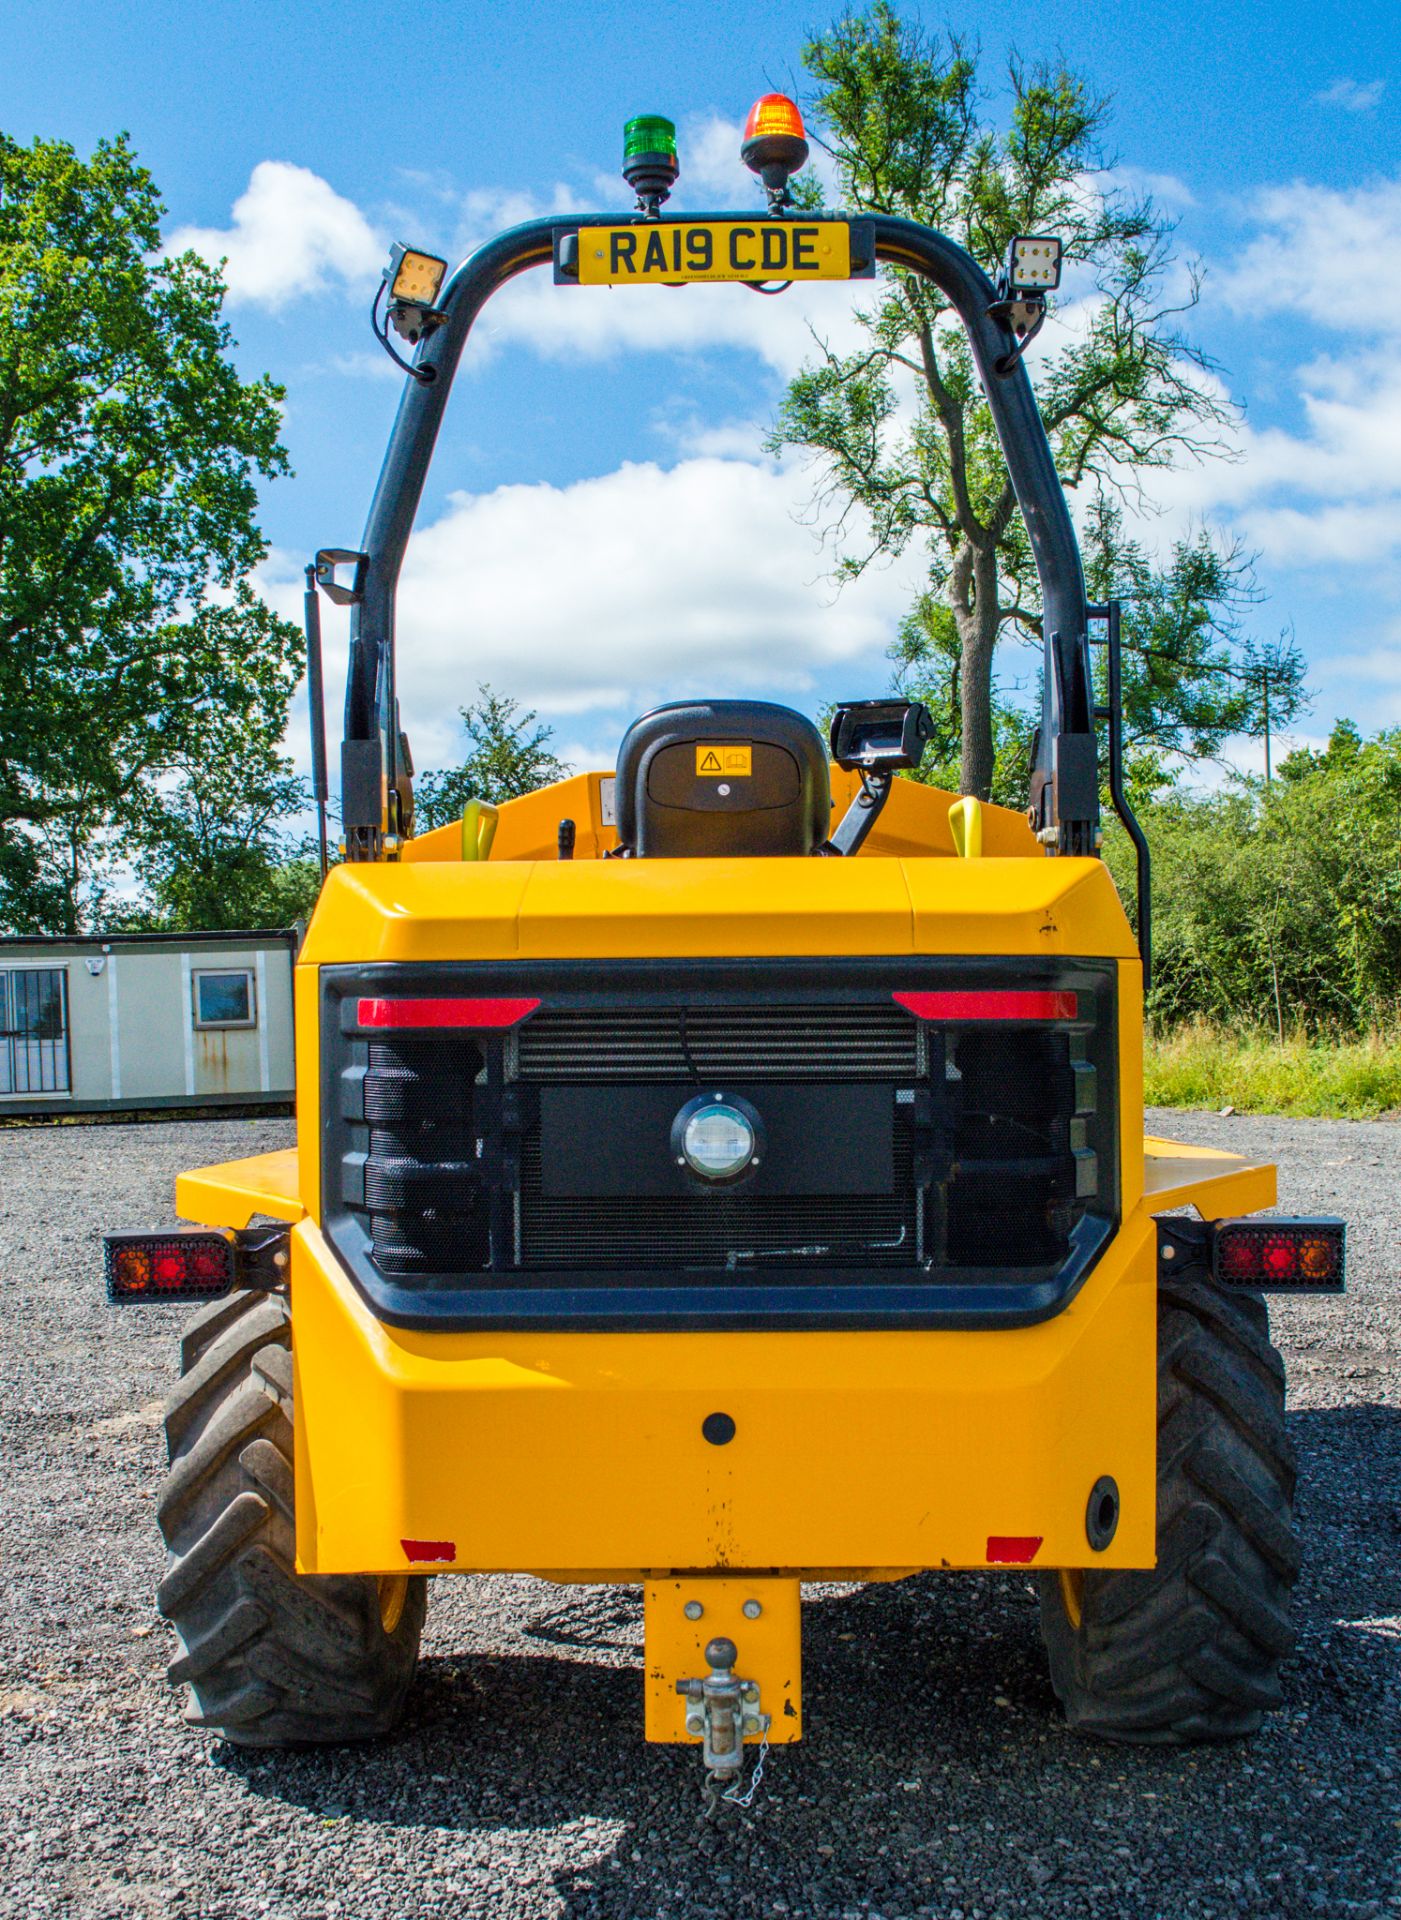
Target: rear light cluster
point(173, 1266)
point(1286, 1256)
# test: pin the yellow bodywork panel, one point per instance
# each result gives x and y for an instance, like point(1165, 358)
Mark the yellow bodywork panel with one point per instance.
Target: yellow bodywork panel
point(629, 909)
point(1216, 1184)
point(853, 1450)
point(763, 1618)
point(230, 1194)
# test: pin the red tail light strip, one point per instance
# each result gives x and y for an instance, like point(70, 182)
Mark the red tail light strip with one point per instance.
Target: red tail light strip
point(995, 1003)
point(443, 1013)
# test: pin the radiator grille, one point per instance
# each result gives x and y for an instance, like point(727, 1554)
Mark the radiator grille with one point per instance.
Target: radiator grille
point(734, 1231)
point(871, 1042)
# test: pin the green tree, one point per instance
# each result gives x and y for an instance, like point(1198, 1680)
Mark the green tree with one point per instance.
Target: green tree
point(928, 662)
point(507, 755)
point(210, 843)
point(900, 113)
point(1280, 906)
point(130, 451)
point(1193, 677)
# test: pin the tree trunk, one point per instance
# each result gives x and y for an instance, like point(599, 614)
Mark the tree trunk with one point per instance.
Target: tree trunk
point(976, 614)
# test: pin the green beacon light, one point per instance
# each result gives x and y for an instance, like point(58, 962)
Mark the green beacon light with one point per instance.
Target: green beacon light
point(650, 165)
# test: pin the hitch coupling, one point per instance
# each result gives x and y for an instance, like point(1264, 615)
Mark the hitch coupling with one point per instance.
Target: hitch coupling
point(722, 1708)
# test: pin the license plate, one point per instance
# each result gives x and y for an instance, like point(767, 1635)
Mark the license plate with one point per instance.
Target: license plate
point(671, 252)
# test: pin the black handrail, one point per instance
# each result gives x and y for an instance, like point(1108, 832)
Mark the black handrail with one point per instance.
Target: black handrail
point(1065, 793)
point(1112, 713)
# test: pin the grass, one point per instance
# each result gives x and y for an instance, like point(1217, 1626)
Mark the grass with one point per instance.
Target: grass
point(1203, 1065)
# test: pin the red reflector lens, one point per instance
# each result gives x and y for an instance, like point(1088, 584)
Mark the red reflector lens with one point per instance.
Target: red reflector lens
point(443, 1013)
point(429, 1550)
point(168, 1268)
point(1013, 1549)
point(1008, 1003)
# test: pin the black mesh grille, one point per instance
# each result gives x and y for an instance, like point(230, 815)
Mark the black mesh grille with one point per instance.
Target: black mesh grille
point(734, 1231)
point(871, 1042)
point(422, 1182)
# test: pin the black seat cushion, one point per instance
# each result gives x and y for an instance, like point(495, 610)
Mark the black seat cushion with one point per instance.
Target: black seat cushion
point(709, 778)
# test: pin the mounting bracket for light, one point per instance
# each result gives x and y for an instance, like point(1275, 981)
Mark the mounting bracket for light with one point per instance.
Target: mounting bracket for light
point(326, 562)
point(1030, 271)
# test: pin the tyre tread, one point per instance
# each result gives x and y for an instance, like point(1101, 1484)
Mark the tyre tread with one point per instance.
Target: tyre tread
point(1191, 1649)
point(268, 1657)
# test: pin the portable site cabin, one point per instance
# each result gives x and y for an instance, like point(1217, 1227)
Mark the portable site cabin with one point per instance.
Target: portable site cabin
point(136, 1020)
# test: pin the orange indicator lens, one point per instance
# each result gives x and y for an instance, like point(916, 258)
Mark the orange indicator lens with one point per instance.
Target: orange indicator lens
point(773, 113)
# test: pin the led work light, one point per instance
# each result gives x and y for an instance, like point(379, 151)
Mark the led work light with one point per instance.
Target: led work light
point(414, 281)
point(1033, 263)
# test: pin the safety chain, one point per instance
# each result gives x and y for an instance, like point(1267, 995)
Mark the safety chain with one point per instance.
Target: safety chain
point(746, 1799)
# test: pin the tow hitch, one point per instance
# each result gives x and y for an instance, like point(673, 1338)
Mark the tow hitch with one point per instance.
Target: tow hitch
point(722, 1709)
point(745, 1631)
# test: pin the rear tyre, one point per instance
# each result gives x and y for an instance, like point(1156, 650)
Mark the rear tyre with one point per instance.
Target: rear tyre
point(270, 1657)
point(1192, 1650)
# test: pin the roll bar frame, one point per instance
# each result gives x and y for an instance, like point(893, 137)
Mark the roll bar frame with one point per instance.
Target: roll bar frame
point(374, 769)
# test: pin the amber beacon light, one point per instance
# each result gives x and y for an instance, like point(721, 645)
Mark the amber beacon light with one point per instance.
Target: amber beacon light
point(775, 145)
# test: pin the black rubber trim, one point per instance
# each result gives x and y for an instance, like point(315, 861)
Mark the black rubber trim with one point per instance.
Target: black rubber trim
point(616, 1302)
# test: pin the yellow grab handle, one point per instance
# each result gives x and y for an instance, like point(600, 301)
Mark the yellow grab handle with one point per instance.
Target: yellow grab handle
point(966, 826)
point(478, 829)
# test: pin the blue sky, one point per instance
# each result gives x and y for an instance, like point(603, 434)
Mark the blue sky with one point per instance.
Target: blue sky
point(601, 528)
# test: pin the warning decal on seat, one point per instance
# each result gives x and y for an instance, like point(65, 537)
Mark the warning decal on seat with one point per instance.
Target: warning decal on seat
point(724, 757)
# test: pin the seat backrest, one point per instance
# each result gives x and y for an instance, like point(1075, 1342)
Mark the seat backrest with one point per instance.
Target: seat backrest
point(710, 778)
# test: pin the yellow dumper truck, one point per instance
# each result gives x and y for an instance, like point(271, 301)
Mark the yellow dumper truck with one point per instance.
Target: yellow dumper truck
point(726, 1170)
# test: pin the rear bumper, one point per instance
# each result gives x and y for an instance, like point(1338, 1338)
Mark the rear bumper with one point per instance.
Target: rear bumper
point(582, 1455)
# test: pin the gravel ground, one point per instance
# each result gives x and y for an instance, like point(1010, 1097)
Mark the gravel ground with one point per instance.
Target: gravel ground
point(937, 1779)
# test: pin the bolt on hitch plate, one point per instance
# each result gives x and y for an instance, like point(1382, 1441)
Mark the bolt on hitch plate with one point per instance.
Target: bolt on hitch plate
point(753, 1691)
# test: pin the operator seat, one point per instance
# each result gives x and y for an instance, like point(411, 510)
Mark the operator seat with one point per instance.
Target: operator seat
point(703, 779)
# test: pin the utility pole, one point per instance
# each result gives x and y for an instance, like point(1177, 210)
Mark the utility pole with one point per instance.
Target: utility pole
point(1265, 684)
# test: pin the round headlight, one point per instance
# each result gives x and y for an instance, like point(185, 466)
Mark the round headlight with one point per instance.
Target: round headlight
point(716, 1138)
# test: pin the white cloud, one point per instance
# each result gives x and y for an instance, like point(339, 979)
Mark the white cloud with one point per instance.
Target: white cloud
point(1315, 498)
point(712, 173)
point(292, 234)
point(601, 323)
point(593, 601)
point(645, 583)
point(1353, 96)
point(1324, 253)
point(1355, 534)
